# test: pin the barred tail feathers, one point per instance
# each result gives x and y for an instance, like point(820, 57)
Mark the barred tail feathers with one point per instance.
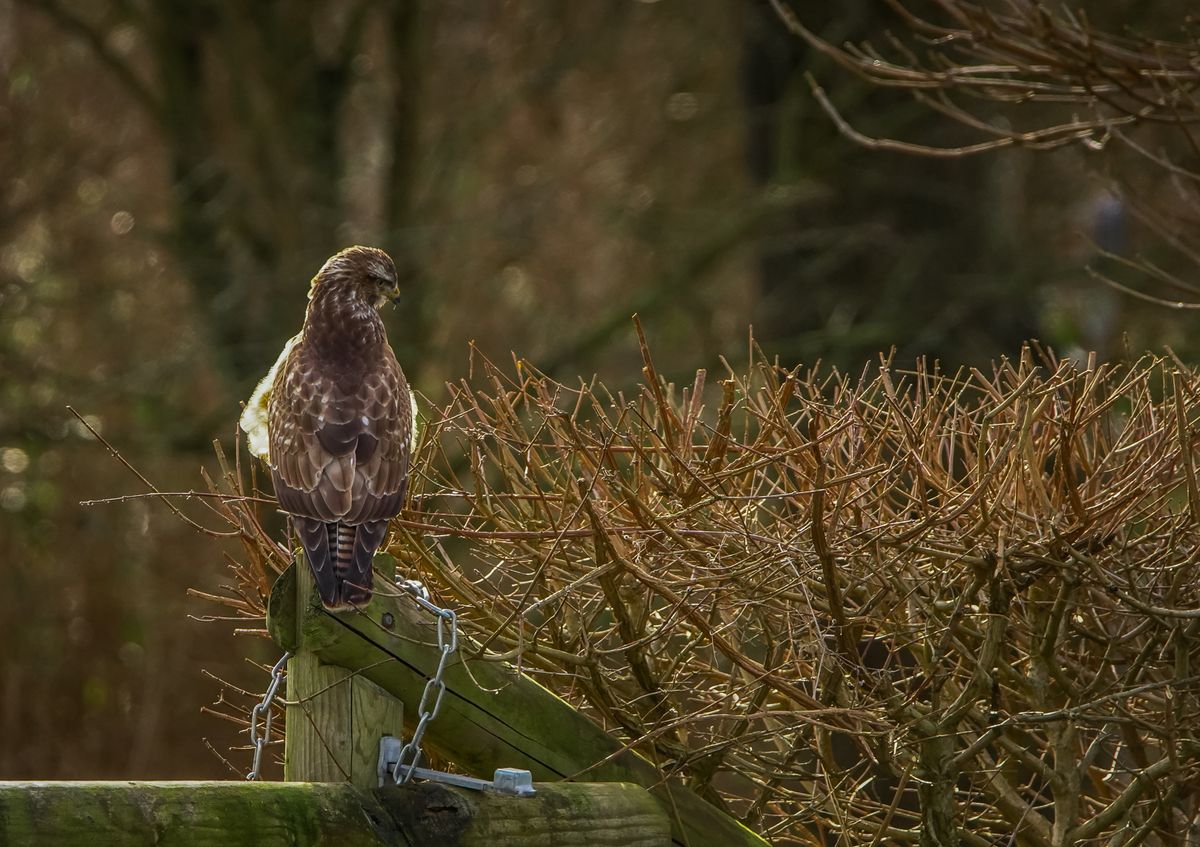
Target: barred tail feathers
point(317, 537)
point(340, 556)
point(356, 587)
point(344, 551)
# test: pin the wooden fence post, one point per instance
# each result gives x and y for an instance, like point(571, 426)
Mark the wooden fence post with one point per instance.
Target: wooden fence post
point(335, 717)
point(491, 716)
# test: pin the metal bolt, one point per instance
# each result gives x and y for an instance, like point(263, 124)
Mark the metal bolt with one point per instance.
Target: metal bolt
point(389, 620)
point(513, 781)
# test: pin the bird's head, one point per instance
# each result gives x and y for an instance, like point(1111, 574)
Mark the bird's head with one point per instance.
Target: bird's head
point(367, 271)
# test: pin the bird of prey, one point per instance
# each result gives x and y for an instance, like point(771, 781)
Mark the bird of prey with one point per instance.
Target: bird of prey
point(340, 424)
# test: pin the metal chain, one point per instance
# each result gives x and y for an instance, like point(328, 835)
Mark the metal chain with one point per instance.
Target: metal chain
point(262, 711)
point(435, 688)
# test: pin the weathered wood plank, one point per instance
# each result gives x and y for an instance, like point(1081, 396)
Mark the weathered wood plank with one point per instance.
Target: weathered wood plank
point(373, 714)
point(298, 814)
point(334, 717)
point(492, 717)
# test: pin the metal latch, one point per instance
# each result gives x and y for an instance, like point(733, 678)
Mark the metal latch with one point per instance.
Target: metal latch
point(514, 781)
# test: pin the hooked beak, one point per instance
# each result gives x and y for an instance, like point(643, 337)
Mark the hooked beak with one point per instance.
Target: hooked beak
point(395, 295)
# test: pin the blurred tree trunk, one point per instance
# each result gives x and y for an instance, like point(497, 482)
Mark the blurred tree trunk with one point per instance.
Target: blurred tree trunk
point(249, 103)
point(403, 117)
point(915, 250)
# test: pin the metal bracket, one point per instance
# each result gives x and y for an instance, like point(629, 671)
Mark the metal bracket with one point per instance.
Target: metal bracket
point(512, 781)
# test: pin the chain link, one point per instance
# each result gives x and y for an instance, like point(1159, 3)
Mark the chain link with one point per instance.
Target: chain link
point(262, 711)
point(435, 688)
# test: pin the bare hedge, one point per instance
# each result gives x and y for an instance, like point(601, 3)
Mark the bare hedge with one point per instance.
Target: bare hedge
point(903, 606)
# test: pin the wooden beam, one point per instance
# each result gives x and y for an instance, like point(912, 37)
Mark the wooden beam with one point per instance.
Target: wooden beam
point(299, 814)
point(491, 716)
point(334, 716)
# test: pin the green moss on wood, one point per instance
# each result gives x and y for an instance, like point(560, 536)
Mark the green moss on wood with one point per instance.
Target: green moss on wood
point(239, 814)
point(65, 814)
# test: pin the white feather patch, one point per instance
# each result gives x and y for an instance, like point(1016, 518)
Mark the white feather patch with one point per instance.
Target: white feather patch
point(416, 422)
point(254, 417)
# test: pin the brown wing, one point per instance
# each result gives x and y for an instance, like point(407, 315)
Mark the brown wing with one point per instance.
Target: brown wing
point(339, 453)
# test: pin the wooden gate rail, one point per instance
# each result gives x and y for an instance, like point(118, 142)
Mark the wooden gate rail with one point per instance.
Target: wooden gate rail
point(491, 717)
point(308, 814)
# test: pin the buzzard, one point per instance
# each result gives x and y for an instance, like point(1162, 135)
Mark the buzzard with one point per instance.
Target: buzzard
point(339, 424)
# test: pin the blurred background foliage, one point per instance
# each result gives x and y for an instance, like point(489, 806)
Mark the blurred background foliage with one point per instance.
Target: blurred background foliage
point(174, 172)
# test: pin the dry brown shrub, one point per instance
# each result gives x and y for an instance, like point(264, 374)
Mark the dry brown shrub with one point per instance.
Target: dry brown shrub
point(901, 607)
